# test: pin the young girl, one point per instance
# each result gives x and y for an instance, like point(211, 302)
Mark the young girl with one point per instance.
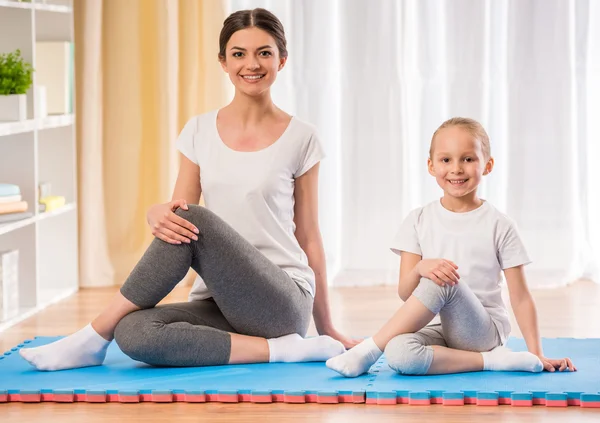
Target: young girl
point(256, 246)
point(452, 253)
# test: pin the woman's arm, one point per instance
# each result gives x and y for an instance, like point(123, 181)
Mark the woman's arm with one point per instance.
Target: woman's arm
point(308, 234)
point(163, 221)
point(187, 186)
point(525, 312)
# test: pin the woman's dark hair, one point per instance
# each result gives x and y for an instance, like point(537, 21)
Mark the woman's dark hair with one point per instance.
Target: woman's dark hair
point(259, 18)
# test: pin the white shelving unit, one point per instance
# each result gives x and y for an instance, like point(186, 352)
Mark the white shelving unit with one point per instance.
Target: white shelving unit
point(40, 150)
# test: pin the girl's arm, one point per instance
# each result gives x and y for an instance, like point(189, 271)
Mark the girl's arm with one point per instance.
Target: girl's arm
point(409, 276)
point(525, 312)
point(413, 268)
point(308, 235)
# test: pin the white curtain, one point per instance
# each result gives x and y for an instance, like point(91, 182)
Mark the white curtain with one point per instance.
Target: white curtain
point(378, 76)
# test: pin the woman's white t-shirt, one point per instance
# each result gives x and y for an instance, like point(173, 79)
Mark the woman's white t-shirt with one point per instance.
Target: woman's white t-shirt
point(482, 243)
point(254, 191)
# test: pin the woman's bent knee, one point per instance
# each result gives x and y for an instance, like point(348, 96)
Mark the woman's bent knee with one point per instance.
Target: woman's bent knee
point(131, 335)
point(195, 214)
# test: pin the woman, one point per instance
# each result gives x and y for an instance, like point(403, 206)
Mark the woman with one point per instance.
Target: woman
point(256, 246)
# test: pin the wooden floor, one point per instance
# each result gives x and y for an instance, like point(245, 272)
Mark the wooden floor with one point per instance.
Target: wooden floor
point(568, 312)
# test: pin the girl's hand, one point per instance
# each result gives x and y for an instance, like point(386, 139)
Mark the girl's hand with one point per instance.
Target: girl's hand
point(169, 227)
point(562, 364)
point(441, 271)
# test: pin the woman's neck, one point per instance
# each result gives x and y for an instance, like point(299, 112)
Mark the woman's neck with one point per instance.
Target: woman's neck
point(250, 110)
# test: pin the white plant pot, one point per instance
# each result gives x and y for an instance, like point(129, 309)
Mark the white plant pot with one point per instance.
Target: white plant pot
point(13, 107)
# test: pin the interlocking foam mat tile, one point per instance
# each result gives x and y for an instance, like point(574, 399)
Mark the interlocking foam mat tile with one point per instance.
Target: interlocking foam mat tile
point(121, 379)
point(497, 388)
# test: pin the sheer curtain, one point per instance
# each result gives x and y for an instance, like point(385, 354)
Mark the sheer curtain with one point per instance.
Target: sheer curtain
point(378, 77)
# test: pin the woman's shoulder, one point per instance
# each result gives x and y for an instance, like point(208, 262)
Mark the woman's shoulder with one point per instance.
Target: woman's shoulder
point(196, 128)
point(200, 121)
point(303, 128)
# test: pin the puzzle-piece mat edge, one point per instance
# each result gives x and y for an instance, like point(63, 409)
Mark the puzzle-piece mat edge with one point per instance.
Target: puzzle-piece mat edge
point(432, 397)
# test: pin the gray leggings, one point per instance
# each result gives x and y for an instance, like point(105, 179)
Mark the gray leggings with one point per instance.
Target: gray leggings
point(466, 325)
point(251, 296)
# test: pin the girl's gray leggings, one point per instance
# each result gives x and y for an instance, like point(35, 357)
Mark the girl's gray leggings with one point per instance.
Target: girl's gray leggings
point(466, 325)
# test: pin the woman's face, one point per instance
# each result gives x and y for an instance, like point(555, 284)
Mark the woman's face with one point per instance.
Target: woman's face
point(252, 61)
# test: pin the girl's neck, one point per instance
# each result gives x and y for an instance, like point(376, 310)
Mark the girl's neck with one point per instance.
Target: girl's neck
point(461, 204)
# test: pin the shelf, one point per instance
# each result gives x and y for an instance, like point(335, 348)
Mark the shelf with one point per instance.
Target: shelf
point(25, 312)
point(64, 209)
point(12, 128)
point(56, 121)
point(13, 226)
point(52, 121)
point(36, 6)
point(53, 8)
point(18, 224)
point(15, 4)
point(35, 151)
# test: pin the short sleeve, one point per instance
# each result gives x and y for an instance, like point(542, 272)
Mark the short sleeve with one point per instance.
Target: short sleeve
point(511, 249)
point(185, 140)
point(311, 154)
point(406, 238)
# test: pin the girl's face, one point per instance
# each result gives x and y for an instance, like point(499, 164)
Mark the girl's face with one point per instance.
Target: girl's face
point(252, 61)
point(458, 162)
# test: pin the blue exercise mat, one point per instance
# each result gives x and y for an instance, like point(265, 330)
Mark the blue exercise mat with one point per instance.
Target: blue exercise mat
point(121, 379)
point(493, 388)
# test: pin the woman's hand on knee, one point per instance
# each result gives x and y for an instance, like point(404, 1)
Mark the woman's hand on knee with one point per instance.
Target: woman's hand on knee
point(169, 227)
point(441, 271)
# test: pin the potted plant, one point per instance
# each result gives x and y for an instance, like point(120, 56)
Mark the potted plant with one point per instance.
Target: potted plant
point(15, 80)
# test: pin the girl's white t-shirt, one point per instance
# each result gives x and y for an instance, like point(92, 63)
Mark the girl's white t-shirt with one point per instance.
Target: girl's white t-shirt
point(482, 243)
point(254, 191)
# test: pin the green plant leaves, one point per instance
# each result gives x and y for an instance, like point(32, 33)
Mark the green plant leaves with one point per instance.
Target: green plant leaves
point(15, 74)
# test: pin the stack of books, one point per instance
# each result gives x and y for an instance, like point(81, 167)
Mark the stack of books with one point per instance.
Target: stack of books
point(12, 206)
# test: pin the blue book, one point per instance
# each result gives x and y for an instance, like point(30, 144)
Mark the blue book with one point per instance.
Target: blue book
point(9, 190)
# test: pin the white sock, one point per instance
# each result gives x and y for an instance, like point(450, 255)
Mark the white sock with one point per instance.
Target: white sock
point(293, 348)
point(502, 359)
point(356, 361)
point(82, 349)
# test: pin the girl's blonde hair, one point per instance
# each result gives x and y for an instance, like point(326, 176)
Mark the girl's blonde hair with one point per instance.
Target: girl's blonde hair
point(475, 129)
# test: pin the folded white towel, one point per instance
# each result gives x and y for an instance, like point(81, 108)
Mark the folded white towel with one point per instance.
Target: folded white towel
point(10, 199)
